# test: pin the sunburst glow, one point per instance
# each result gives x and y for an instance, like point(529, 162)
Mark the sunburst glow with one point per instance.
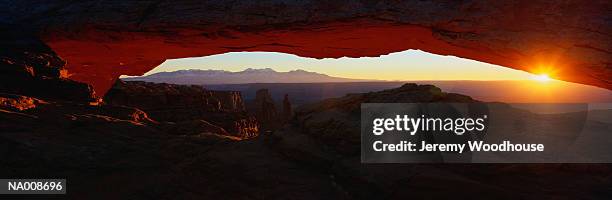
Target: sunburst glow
point(541, 77)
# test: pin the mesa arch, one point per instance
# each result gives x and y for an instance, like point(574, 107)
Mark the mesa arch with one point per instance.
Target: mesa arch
point(101, 41)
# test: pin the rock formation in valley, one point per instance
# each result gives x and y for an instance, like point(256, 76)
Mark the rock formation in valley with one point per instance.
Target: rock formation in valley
point(265, 110)
point(336, 121)
point(327, 136)
point(287, 109)
point(194, 106)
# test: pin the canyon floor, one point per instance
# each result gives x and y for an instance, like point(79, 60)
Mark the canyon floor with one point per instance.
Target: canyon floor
point(118, 152)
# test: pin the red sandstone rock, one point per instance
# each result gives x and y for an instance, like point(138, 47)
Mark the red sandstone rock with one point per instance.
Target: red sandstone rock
point(17, 102)
point(101, 41)
point(28, 67)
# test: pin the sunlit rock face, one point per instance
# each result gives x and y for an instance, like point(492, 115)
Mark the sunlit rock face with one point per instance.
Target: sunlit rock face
point(100, 41)
point(29, 67)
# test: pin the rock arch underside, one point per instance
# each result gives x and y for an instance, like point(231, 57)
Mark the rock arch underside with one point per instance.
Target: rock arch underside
point(95, 42)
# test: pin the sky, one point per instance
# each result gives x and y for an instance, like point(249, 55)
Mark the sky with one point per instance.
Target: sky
point(405, 65)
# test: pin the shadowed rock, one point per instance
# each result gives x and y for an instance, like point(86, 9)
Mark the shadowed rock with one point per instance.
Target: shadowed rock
point(116, 152)
point(222, 112)
point(29, 67)
point(336, 121)
point(287, 109)
point(265, 110)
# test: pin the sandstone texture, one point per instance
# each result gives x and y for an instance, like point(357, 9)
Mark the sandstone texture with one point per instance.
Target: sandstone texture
point(101, 40)
point(221, 112)
point(29, 67)
point(18, 102)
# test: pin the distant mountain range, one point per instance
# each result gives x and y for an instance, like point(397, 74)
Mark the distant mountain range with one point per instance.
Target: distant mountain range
point(491, 91)
point(267, 75)
point(305, 87)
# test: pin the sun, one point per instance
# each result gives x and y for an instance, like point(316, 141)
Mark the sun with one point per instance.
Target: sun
point(542, 78)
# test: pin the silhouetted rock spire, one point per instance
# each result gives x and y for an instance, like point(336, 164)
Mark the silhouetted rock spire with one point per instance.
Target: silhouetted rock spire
point(287, 110)
point(265, 110)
